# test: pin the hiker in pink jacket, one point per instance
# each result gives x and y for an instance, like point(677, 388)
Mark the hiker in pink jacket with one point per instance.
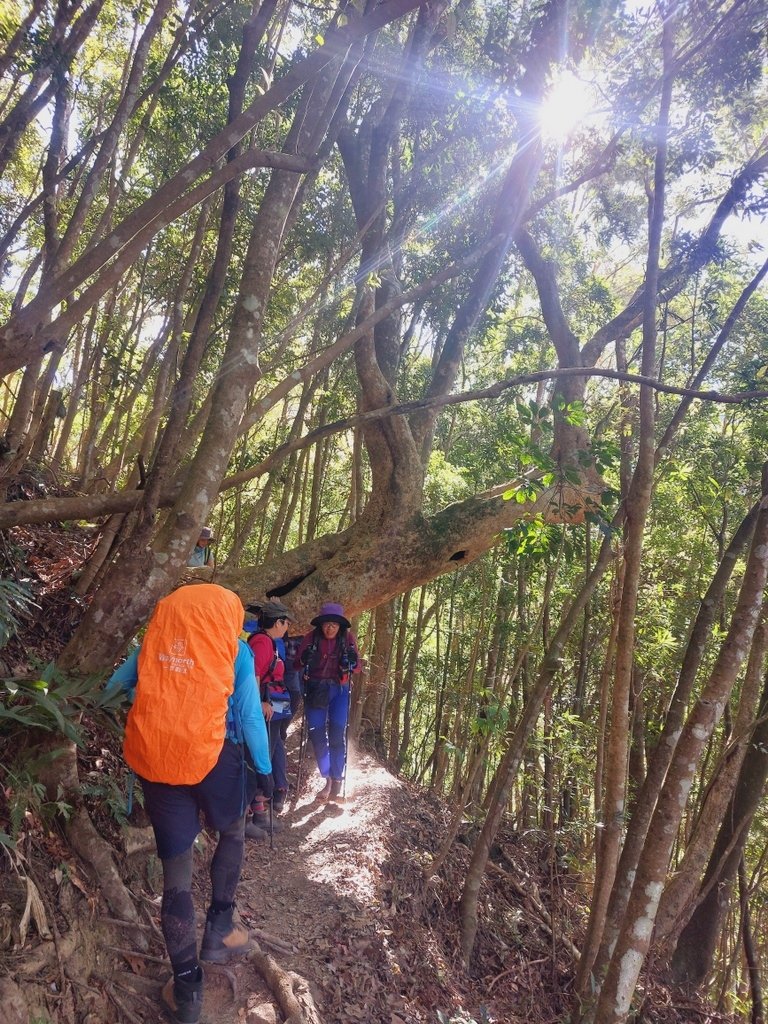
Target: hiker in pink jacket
point(328, 656)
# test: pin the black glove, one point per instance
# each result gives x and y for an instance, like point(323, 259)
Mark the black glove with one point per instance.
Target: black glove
point(266, 784)
point(348, 660)
point(306, 655)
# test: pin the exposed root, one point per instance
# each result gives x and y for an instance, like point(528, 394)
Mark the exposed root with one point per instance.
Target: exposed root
point(121, 1005)
point(224, 972)
point(96, 852)
point(61, 779)
point(290, 990)
point(144, 956)
point(35, 911)
point(46, 954)
point(271, 940)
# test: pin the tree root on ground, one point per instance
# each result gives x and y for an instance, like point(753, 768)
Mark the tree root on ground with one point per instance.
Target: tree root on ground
point(97, 853)
point(61, 779)
point(271, 940)
point(46, 955)
point(290, 990)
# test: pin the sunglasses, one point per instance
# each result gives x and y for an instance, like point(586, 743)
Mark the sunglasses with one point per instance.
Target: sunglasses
point(282, 619)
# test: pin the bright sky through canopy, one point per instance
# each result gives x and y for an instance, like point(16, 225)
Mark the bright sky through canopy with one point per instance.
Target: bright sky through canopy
point(568, 103)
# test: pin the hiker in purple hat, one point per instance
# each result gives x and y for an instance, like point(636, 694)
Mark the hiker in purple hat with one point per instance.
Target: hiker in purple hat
point(327, 658)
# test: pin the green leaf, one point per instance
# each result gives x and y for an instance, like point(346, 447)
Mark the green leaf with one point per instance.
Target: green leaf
point(5, 840)
point(25, 719)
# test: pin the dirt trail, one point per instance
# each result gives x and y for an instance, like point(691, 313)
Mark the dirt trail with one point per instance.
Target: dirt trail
point(318, 893)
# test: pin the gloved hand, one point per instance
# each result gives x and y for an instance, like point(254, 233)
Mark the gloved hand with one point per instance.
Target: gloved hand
point(306, 655)
point(348, 660)
point(266, 784)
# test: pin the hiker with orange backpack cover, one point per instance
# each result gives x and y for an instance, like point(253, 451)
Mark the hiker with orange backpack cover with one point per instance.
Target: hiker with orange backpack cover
point(194, 725)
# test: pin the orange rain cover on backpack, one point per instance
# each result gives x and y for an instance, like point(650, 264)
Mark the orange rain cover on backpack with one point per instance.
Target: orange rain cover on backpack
point(176, 727)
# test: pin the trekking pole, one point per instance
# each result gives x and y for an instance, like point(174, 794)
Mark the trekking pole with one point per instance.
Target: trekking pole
point(346, 741)
point(302, 749)
point(271, 827)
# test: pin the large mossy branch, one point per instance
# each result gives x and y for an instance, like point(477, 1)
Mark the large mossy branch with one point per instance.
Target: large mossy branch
point(374, 561)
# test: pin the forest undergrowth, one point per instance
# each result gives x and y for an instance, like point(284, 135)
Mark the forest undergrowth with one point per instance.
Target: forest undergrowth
point(348, 918)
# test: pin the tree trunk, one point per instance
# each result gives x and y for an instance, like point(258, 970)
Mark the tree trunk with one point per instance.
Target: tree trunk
point(662, 755)
point(44, 437)
point(679, 893)
point(22, 338)
point(515, 751)
point(21, 425)
point(375, 697)
point(750, 951)
point(635, 934)
point(148, 566)
point(638, 502)
point(409, 681)
point(637, 760)
point(694, 953)
point(398, 681)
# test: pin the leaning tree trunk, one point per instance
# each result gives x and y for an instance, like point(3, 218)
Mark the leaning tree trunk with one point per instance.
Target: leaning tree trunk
point(638, 502)
point(23, 338)
point(695, 950)
point(637, 925)
point(636, 511)
point(679, 894)
point(149, 564)
point(673, 723)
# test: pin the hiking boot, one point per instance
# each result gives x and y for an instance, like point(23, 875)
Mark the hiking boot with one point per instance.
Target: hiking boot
point(325, 792)
point(184, 999)
point(278, 801)
point(335, 794)
point(223, 938)
point(253, 831)
point(262, 821)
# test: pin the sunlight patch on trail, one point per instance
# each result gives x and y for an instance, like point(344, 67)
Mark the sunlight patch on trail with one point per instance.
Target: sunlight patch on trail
point(346, 844)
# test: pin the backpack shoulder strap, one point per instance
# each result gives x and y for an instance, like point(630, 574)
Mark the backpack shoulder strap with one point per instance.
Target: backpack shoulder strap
point(267, 677)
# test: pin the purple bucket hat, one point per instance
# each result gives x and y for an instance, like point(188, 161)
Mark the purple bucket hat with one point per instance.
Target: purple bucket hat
point(331, 612)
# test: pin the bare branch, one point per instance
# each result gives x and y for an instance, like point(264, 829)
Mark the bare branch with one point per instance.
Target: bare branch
point(92, 506)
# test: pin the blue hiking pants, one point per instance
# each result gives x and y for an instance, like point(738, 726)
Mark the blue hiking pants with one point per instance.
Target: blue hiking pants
point(327, 728)
point(276, 729)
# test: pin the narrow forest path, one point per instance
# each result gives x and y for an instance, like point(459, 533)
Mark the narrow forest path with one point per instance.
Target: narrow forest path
point(345, 906)
point(347, 918)
point(331, 903)
point(318, 892)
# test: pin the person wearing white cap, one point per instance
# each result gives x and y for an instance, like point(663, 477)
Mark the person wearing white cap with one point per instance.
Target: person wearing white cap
point(202, 553)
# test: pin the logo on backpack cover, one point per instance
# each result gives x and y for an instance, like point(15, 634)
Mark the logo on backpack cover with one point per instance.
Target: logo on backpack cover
point(176, 660)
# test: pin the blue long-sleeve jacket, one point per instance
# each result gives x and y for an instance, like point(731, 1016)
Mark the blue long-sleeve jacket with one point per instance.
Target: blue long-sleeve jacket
point(243, 706)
